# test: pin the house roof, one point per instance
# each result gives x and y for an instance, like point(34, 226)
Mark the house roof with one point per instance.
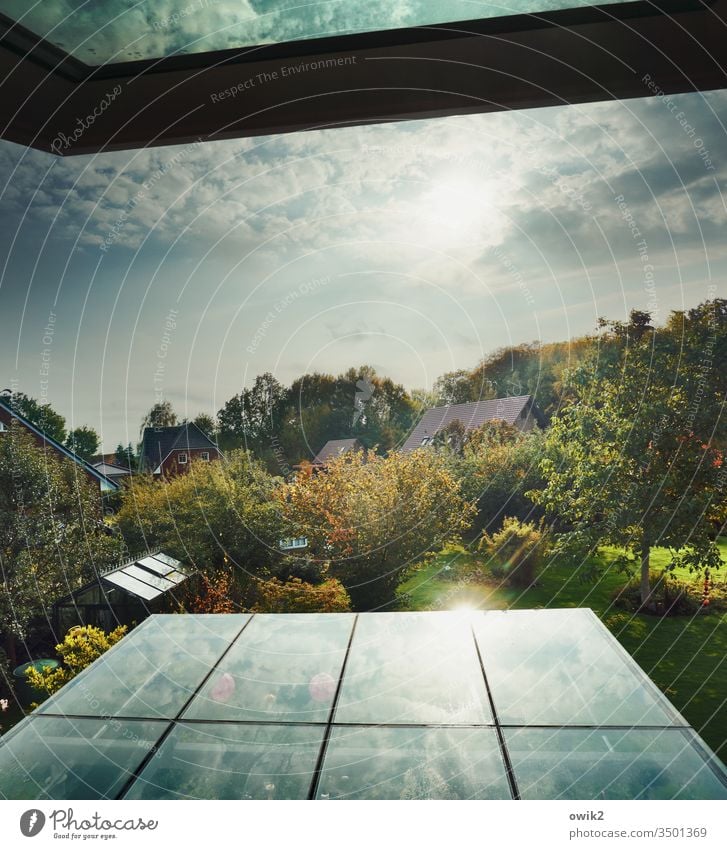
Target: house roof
point(111, 469)
point(334, 448)
point(105, 483)
point(159, 442)
point(471, 415)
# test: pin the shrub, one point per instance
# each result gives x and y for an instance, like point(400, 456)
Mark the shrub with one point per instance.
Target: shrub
point(672, 596)
point(516, 552)
point(296, 596)
point(80, 647)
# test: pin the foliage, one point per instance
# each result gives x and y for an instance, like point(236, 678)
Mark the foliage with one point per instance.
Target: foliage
point(516, 552)
point(285, 425)
point(216, 514)
point(497, 466)
point(636, 460)
point(52, 536)
point(83, 441)
point(161, 414)
point(43, 416)
point(296, 596)
point(80, 647)
point(214, 593)
point(372, 517)
point(206, 424)
point(125, 455)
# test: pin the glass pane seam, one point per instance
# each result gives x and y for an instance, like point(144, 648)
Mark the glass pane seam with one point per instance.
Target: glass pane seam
point(318, 771)
point(504, 753)
point(167, 731)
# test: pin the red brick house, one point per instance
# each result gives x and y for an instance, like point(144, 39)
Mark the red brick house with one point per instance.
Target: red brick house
point(8, 415)
point(168, 451)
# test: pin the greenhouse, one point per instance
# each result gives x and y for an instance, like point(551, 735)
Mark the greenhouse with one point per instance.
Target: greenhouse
point(540, 704)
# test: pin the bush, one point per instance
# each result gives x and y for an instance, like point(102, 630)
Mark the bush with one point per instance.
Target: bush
point(516, 552)
point(296, 596)
point(6, 689)
point(672, 596)
point(80, 647)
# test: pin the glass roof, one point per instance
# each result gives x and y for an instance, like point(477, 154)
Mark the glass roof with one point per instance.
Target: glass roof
point(109, 31)
point(530, 704)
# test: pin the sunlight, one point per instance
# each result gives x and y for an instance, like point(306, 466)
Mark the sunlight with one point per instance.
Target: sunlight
point(457, 211)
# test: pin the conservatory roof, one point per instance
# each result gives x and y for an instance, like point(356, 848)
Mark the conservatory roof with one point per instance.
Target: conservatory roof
point(147, 577)
point(110, 75)
point(492, 705)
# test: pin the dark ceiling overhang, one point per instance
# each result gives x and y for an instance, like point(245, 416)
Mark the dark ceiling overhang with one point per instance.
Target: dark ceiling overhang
point(52, 102)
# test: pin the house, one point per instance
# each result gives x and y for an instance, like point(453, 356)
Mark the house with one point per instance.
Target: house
point(8, 415)
point(122, 595)
point(520, 411)
point(113, 471)
point(335, 448)
point(168, 451)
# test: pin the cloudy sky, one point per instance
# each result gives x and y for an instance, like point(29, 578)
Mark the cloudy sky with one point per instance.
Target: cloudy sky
point(417, 248)
point(99, 31)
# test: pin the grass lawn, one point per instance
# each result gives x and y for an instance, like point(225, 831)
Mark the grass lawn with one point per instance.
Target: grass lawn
point(684, 655)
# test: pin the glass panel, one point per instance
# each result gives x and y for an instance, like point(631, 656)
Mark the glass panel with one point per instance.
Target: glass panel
point(579, 763)
point(283, 667)
point(413, 668)
point(413, 763)
point(58, 758)
point(131, 585)
point(156, 566)
point(153, 671)
point(125, 30)
point(161, 558)
point(148, 578)
point(562, 667)
point(227, 761)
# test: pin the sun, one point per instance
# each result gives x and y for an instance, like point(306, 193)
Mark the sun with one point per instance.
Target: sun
point(456, 211)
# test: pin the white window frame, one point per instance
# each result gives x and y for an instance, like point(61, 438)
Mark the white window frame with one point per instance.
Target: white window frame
point(182, 458)
point(205, 455)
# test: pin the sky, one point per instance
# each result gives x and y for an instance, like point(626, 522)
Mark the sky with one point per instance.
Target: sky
point(180, 273)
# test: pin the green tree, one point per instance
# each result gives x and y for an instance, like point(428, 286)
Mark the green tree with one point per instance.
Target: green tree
point(124, 455)
point(370, 519)
point(218, 513)
point(80, 647)
point(635, 460)
point(162, 414)
point(52, 535)
point(206, 424)
point(43, 416)
point(83, 441)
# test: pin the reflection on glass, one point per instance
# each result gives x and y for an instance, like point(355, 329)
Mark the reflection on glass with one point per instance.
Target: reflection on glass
point(283, 667)
point(153, 671)
point(103, 31)
point(579, 763)
point(563, 667)
point(413, 763)
point(413, 667)
point(57, 758)
point(227, 761)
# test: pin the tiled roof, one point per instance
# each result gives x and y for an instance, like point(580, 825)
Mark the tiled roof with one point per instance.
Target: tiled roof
point(471, 415)
point(334, 448)
point(158, 442)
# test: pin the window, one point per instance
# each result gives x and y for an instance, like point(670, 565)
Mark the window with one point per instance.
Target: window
point(205, 455)
point(182, 457)
point(3, 427)
point(426, 440)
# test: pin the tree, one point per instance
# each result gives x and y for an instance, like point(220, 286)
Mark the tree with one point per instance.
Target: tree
point(516, 552)
point(125, 455)
point(497, 465)
point(218, 513)
point(636, 458)
point(161, 414)
point(43, 416)
point(80, 647)
point(83, 441)
point(51, 531)
point(297, 596)
point(373, 518)
point(206, 424)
